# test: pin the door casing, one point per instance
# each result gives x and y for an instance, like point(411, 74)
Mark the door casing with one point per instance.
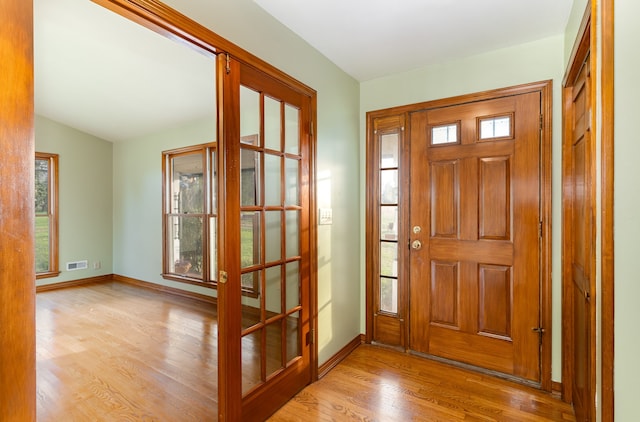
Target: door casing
point(545, 90)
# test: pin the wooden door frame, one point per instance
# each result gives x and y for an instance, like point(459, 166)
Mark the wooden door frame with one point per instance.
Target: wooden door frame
point(588, 39)
point(17, 262)
point(607, 198)
point(545, 88)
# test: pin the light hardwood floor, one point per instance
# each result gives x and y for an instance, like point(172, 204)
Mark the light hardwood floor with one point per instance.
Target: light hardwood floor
point(115, 352)
point(378, 384)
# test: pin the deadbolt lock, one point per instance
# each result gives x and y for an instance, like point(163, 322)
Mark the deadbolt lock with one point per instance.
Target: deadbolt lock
point(416, 244)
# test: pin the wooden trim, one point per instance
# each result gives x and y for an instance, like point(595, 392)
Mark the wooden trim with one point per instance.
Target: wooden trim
point(17, 263)
point(546, 212)
point(74, 283)
point(164, 289)
point(607, 204)
point(460, 99)
point(556, 387)
point(334, 360)
point(158, 17)
point(580, 46)
point(313, 240)
point(567, 298)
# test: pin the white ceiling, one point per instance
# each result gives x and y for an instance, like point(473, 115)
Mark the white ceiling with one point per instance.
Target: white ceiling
point(373, 38)
point(109, 77)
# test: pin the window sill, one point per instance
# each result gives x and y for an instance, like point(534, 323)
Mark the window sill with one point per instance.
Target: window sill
point(47, 274)
point(190, 280)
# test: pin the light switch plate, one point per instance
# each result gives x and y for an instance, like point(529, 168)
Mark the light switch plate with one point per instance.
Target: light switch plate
point(325, 216)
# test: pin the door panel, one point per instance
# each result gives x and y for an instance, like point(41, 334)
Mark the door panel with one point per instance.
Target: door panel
point(581, 244)
point(477, 191)
point(272, 156)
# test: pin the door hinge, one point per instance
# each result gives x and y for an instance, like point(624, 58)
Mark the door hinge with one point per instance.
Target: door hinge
point(228, 64)
point(541, 122)
point(540, 332)
point(311, 127)
point(540, 230)
point(310, 336)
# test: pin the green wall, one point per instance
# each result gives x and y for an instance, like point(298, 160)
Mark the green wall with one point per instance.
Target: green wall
point(137, 201)
point(531, 62)
point(85, 188)
point(627, 204)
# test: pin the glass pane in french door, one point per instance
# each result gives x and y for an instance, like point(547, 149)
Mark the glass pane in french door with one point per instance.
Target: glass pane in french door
point(270, 208)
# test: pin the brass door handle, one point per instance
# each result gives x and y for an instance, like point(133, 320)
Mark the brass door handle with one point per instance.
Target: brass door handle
point(416, 244)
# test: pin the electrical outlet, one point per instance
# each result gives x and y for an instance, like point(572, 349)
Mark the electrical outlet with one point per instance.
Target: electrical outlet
point(97, 265)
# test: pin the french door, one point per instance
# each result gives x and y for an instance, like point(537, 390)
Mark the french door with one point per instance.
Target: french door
point(457, 230)
point(266, 266)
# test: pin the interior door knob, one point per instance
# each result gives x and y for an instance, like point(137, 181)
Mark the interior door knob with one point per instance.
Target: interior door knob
point(416, 244)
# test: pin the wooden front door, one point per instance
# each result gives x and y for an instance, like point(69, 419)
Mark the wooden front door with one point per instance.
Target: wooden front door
point(475, 224)
point(267, 185)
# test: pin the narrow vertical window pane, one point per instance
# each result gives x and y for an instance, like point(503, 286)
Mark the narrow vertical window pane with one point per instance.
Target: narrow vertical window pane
point(292, 171)
point(249, 176)
point(389, 150)
point(42, 243)
point(251, 303)
point(389, 259)
point(273, 289)
point(293, 336)
point(187, 184)
point(272, 180)
point(213, 248)
point(389, 295)
point(292, 130)
point(250, 116)
point(251, 362)
point(249, 238)
point(274, 347)
point(293, 285)
point(42, 221)
point(272, 124)
point(185, 245)
point(273, 235)
point(389, 186)
point(389, 223)
point(293, 233)
point(214, 182)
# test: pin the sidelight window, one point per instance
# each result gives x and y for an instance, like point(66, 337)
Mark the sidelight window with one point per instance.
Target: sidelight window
point(389, 183)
